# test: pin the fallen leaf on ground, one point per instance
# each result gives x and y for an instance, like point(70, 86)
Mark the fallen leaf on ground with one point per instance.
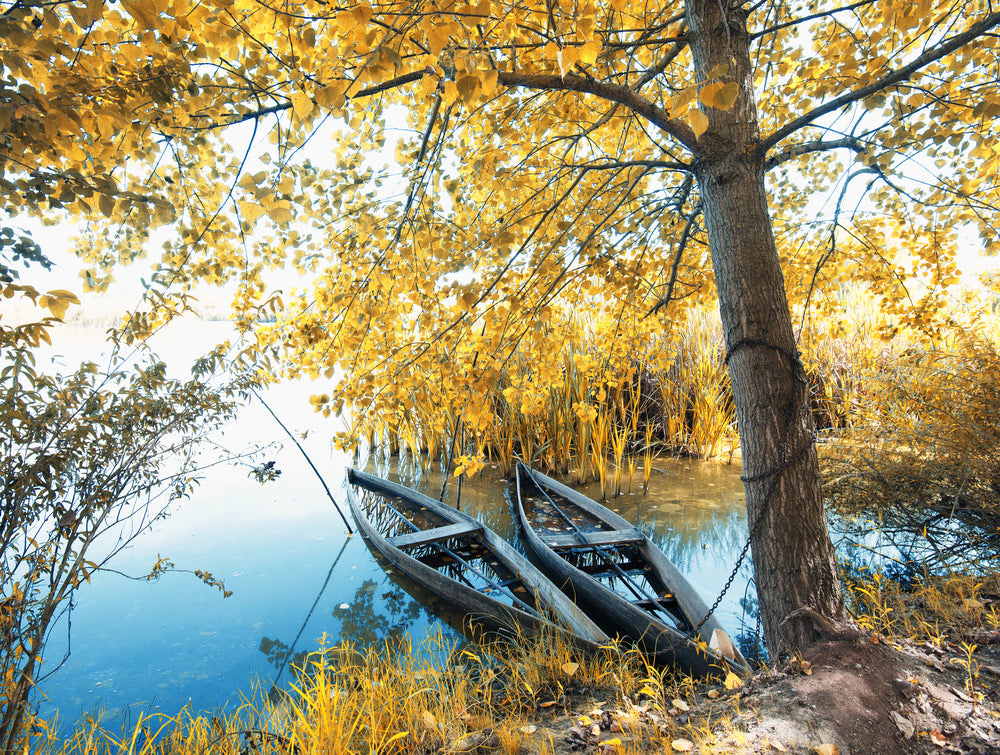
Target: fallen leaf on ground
point(826, 749)
point(682, 745)
point(938, 738)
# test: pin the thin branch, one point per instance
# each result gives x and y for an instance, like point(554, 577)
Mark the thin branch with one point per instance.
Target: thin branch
point(430, 127)
point(406, 78)
point(833, 242)
point(901, 74)
point(306, 457)
point(682, 244)
point(806, 148)
point(813, 17)
point(661, 65)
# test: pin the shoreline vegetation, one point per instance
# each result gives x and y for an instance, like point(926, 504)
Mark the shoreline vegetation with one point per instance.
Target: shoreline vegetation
point(543, 696)
point(906, 412)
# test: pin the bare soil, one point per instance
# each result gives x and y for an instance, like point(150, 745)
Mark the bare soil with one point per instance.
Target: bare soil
point(860, 697)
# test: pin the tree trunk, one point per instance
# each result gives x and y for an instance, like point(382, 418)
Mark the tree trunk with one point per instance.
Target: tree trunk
point(793, 558)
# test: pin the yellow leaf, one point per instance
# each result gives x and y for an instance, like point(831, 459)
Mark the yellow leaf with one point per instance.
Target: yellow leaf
point(58, 301)
point(708, 92)
point(567, 57)
point(62, 293)
point(302, 105)
point(469, 87)
point(106, 204)
point(250, 211)
point(570, 668)
point(681, 101)
point(361, 14)
point(438, 38)
point(429, 720)
point(732, 681)
point(281, 211)
point(699, 122)
point(590, 51)
point(682, 745)
point(450, 93)
point(726, 96)
point(680, 704)
point(489, 82)
point(718, 71)
point(332, 96)
point(143, 11)
point(826, 749)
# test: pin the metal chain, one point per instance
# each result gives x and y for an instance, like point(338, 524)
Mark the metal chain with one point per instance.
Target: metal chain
point(799, 375)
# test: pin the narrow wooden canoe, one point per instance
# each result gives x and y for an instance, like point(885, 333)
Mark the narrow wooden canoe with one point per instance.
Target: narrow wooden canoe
point(464, 562)
point(623, 581)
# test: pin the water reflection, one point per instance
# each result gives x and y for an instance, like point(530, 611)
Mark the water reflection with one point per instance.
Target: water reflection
point(364, 625)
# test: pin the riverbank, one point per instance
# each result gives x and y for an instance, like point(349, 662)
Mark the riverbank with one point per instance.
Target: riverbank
point(857, 697)
point(861, 694)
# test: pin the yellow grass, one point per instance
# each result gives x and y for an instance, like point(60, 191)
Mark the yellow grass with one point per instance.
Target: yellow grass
point(400, 699)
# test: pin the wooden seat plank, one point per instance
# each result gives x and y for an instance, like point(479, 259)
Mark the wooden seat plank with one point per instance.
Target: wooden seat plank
point(423, 537)
point(630, 536)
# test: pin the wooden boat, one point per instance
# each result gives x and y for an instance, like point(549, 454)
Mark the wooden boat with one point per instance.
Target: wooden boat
point(623, 581)
point(464, 562)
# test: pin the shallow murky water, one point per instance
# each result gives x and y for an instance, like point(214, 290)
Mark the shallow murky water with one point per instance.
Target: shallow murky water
point(296, 575)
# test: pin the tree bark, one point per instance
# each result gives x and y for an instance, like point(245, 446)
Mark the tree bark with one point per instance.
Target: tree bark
point(793, 557)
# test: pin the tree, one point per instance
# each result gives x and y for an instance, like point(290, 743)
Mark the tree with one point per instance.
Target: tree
point(89, 462)
point(558, 159)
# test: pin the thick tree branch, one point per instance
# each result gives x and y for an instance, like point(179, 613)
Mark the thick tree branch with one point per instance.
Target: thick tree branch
point(622, 95)
point(798, 150)
point(901, 74)
point(618, 164)
point(656, 115)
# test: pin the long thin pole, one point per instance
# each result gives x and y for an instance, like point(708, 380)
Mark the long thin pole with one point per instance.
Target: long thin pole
point(308, 460)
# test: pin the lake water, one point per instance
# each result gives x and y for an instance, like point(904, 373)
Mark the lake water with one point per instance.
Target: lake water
point(296, 575)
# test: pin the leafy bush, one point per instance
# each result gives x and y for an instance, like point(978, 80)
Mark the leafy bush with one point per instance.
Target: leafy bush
point(924, 466)
point(88, 461)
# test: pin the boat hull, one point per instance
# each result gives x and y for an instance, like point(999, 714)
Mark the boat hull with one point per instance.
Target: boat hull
point(614, 547)
point(419, 555)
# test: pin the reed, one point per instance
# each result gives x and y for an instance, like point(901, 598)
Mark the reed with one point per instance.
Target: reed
point(592, 402)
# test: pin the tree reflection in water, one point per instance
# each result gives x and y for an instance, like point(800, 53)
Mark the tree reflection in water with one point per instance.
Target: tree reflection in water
point(377, 615)
point(363, 624)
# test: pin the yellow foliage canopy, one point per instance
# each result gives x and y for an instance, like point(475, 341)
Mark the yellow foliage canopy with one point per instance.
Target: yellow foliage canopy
point(456, 180)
